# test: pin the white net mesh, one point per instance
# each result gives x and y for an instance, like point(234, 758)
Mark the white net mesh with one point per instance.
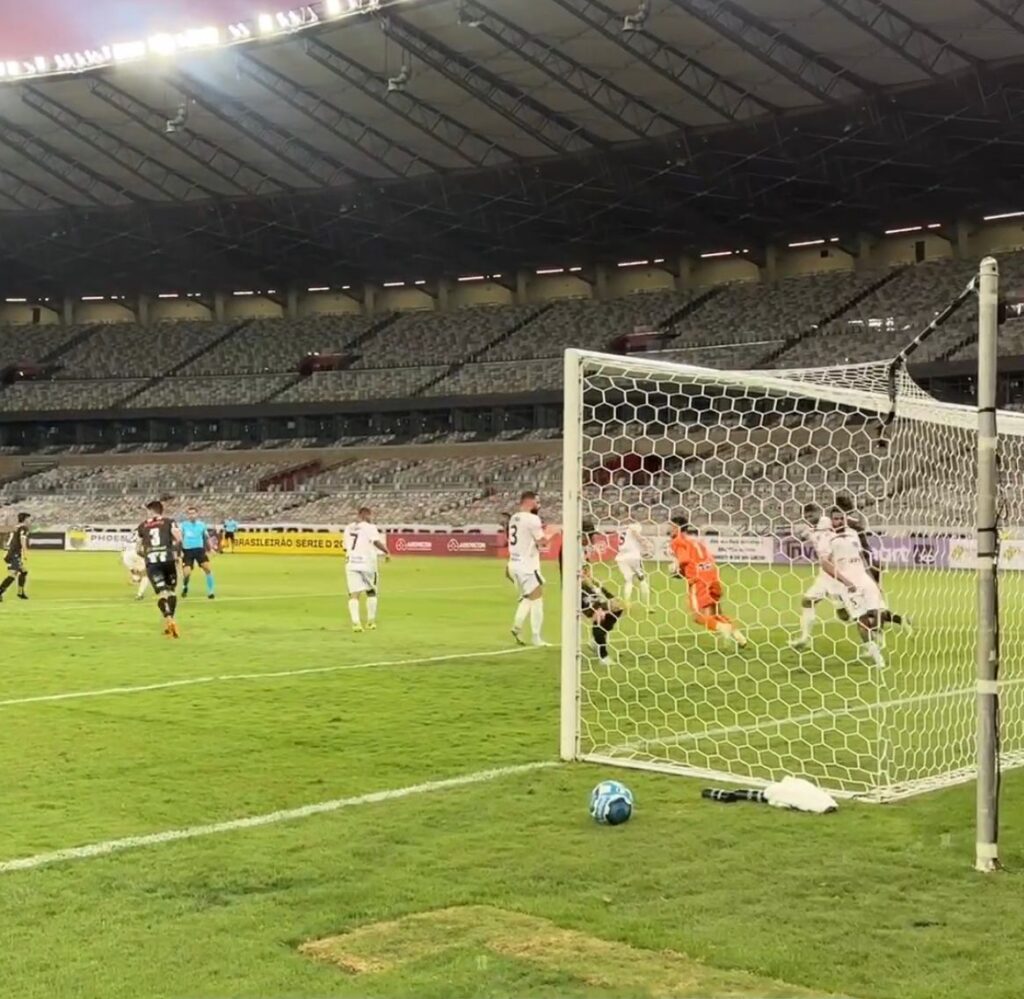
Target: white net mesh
point(742, 454)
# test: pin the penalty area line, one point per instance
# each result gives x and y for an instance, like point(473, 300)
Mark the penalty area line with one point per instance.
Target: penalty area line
point(106, 847)
point(195, 681)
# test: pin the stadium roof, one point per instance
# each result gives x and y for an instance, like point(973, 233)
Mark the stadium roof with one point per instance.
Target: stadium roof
point(428, 137)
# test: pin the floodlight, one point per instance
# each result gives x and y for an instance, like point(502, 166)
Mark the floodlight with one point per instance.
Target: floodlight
point(126, 51)
point(397, 83)
point(466, 17)
point(266, 24)
point(636, 20)
point(163, 45)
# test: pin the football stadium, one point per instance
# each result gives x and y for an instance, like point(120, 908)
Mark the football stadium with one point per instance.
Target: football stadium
point(461, 459)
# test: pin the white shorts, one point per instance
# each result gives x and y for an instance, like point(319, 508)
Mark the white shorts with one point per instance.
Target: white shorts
point(133, 562)
point(526, 580)
point(361, 580)
point(825, 587)
point(866, 599)
point(631, 568)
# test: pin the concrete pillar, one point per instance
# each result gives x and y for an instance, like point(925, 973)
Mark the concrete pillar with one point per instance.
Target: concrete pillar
point(769, 272)
point(684, 273)
point(444, 287)
point(601, 281)
point(67, 310)
point(142, 310)
point(291, 303)
point(522, 287)
point(369, 299)
point(865, 251)
point(961, 239)
point(219, 306)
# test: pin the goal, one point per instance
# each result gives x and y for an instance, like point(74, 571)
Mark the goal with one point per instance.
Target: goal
point(741, 454)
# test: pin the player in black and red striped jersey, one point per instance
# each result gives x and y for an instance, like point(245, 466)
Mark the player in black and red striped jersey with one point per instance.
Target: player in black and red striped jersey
point(159, 544)
point(17, 557)
point(597, 603)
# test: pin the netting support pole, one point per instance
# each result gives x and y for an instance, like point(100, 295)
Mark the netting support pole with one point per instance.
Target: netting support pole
point(987, 831)
point(572, 463)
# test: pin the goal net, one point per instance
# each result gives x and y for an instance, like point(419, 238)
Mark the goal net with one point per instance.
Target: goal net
point(741, 454)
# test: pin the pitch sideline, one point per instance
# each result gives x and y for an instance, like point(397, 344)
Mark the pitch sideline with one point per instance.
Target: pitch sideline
point(106, 847)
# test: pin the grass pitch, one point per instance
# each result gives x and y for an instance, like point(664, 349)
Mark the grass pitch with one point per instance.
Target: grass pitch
point(278, 706)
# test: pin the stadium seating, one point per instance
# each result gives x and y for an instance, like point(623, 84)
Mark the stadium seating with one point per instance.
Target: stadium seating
point(277, 345)
point(501, 377)
point(19, 344)
point(749, 313)
point(823, 319)
point(130, 351)
point(353, 385)
point(213, 390)
point(451, 490)
point(586, 323)
point(426, 338)
point(100, 393)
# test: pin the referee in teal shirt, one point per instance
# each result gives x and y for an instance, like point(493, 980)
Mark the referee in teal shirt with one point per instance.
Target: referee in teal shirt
point(195, 550)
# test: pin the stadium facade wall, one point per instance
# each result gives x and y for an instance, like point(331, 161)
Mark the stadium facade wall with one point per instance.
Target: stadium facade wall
point(811, 260)
point(467, 293)
point(598, 280)
point(251, 307)
point(726, 270)
point(329, 303)
point(548, 288)
point(178, 309)
point(630, 280)
point(103, 312)
point(895, 250)
point(404, 300)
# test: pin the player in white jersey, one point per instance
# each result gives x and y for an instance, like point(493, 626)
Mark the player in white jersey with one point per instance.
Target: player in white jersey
point(817, 531)
point(364, 545)
point(862, 597)
point(136, 566)
point(526, 534)
point(633, 549)
point(856, 520)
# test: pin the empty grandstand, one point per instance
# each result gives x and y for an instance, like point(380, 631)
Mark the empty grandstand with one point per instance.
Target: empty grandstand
point(408, 271)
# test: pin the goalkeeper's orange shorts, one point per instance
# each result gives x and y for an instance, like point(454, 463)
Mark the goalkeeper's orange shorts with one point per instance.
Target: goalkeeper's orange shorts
point(705, 594)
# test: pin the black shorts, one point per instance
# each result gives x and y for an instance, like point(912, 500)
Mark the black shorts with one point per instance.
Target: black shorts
point(14, 563)
point(163, 576)
point(229, 535)
point(194, 556)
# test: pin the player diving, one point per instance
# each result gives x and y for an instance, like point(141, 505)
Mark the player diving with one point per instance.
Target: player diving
point(695, 562)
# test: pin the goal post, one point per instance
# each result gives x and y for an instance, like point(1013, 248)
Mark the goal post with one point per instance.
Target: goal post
point(572, 443)
point(987, 831)
point(742, 455)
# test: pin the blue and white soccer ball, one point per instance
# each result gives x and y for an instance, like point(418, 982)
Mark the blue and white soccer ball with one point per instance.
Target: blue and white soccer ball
point(611, 803)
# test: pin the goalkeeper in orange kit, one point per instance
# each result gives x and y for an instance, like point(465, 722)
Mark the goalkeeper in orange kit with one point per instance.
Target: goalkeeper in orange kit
point(695, 562)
